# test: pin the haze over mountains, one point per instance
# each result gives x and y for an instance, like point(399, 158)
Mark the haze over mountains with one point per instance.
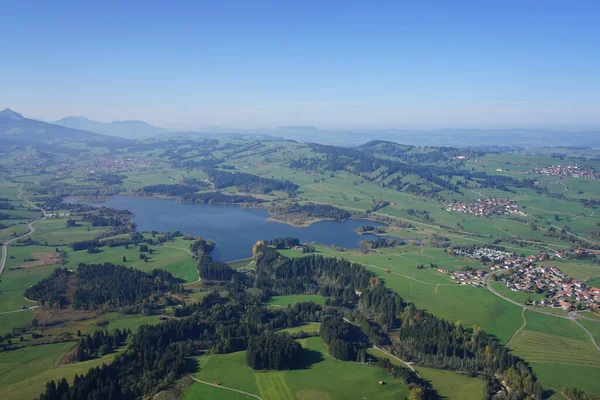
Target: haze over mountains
point(14, 128)
point(124, 129)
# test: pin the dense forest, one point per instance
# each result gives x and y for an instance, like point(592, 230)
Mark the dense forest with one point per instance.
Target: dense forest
point(247, 182)
point(218, 198)
point(105, 286)
point(310, 211)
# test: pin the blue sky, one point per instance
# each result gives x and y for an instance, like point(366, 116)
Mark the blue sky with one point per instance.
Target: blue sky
point(401, 64)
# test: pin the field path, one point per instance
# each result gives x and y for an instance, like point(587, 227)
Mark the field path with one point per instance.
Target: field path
point(19, 310)
point(520, 329)
point(408, 365)
point(410, 277)
point(30, 232)
point(226, 388)
point(572, 318)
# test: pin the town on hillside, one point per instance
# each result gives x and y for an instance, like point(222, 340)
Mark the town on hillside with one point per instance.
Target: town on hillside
point(573, 171)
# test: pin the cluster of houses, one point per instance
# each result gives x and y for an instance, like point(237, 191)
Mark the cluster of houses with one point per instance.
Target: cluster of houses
point(111, 164)
point(466, 277)
point(482, 253)
point(486, 207)
point(563, 291)
point(566, 171)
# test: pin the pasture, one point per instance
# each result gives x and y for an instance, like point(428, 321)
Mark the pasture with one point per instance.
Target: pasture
point(321, 378)
point(24, 372)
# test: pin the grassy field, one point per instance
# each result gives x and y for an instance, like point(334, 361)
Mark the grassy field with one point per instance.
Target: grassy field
point(24, 372)
point(308, 328)
point(453, 386)
point(559, 361)
point(322, 378)
point(284, 301)
point(450, 385)
point(171, 259)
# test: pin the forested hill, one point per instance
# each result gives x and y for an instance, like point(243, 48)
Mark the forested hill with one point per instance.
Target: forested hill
point(236, 320)
point(106, 286)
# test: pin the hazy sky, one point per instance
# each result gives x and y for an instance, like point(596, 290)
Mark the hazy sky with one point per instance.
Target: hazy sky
point(421, 64)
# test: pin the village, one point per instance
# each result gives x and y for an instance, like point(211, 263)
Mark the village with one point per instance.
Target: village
point(572, 171)
point(466, 276)
point(110, 164)
point(562, 290)
point(487, 207)
point(481, 253)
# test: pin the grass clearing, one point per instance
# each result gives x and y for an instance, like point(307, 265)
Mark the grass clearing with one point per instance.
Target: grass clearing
point(284, 301)
point(453, 386)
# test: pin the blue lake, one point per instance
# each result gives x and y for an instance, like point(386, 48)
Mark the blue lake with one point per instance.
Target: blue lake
point(234, 229)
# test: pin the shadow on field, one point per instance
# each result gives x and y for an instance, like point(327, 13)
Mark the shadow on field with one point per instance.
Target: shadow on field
point(310, 358)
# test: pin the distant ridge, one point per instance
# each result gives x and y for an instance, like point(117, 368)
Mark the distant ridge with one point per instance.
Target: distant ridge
point(15, 129)
point(124, 129)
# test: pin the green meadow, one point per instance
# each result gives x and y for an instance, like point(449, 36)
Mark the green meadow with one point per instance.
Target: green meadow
point(24, 372)
point(321, 378)
point(284, 301)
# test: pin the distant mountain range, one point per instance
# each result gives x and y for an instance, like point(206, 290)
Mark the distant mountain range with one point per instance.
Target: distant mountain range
point(13, 123)
point(123, 129)
point(18, 130)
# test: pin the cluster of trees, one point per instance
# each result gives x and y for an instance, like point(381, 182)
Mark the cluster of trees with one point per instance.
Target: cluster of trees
point(219, 198)
point(175, 190)
point(202, 246)
point(5, 204)
point(108, 178)
point(345, 341)
point(371, 229)
point(100, 343)
point(283, 243)
point(576, 394)
point(106, 286)
point(312, 211)
point(85, 245)
point(271, 351)
point(247, 182)
point(105, 216)
point(379, 243)
point(214, 270)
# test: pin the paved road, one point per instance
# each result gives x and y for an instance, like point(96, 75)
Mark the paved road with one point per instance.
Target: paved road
point(30, 226)
point(226, 388)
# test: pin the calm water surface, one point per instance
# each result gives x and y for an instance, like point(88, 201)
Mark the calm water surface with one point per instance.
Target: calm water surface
point(234, 229)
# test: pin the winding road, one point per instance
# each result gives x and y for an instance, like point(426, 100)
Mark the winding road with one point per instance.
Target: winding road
point(30, 226)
